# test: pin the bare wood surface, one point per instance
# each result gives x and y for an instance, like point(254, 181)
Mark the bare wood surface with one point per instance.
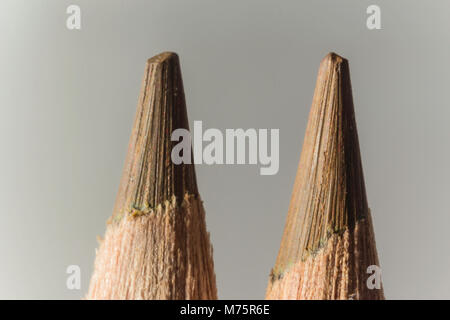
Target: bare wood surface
point(156, 245)
point(328, 241)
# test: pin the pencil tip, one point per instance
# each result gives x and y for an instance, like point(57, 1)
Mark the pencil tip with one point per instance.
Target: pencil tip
point(329, 194)
point(156, 244)
point(328, 237)
point(333, 57)
point(150, 177)
point(162, 57)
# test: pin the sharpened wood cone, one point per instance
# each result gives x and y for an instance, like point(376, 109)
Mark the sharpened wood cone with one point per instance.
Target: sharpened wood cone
point(328, 241)
point(156, 245)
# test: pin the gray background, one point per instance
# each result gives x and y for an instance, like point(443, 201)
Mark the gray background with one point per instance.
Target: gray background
point(68, 98)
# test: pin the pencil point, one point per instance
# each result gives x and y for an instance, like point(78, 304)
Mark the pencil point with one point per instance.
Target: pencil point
point(156, 245)
point(332, 56)
point(164, 56)
point(150, 177)
point(328, 208)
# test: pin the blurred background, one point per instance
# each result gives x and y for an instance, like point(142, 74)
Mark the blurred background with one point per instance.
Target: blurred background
point(68, 100)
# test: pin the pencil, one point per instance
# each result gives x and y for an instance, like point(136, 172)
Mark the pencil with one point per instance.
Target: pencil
point(328, 242)
point(156, 245)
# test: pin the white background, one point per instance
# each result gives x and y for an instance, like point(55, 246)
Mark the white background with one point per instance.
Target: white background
point(68, 98)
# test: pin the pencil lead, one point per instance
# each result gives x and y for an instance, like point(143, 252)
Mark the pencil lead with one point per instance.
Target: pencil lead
point(328, 240)
point(156, 245)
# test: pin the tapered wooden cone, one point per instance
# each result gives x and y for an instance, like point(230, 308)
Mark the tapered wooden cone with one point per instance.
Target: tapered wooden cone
point(156, 245)
point(328, 241)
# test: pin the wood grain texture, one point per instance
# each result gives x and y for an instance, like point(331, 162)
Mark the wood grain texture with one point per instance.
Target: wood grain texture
point(156, 245)
point(328, 240)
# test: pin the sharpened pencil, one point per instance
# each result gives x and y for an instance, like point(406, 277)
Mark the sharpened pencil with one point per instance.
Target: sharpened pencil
point(156, 245)
point(328, 241)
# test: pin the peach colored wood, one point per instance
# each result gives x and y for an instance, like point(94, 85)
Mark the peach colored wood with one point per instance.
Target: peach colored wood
point(328, 240)
point(156, 245)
